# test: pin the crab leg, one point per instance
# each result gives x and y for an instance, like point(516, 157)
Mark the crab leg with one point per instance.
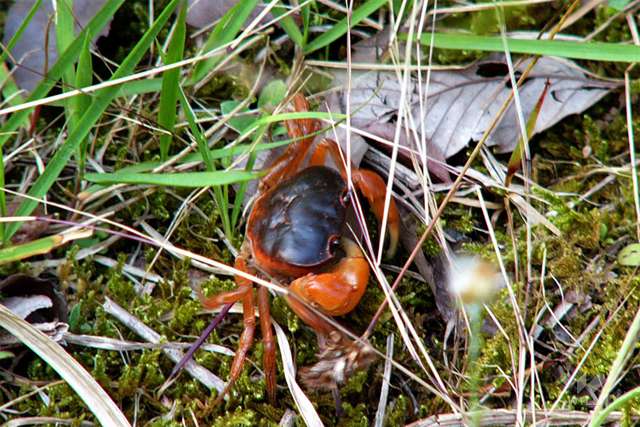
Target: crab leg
point(244, 293)
point(335, 292)
point(269, 356)
point(369, 183)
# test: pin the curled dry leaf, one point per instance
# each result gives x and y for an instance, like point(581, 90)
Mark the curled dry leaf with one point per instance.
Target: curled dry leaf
point(36, 48)
point(47, 303)
point(459, 105)
point(36, 301)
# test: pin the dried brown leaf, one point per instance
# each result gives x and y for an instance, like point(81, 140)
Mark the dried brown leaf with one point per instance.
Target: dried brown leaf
point(460, 104)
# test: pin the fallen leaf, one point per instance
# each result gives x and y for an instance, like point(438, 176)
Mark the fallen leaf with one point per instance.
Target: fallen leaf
point(461, 104)
point(29, 51)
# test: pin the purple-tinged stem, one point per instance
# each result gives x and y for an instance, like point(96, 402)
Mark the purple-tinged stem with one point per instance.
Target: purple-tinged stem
point(203, 336)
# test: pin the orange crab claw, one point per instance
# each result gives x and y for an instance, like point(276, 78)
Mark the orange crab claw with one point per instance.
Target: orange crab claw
point(335, 292)
point(373, 188)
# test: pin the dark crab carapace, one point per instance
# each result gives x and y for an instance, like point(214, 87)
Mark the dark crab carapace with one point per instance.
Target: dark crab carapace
point(297, 228)
point(295, 234)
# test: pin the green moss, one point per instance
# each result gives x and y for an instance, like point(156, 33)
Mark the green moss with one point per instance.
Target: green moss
point(397, 412)
point(354, 416)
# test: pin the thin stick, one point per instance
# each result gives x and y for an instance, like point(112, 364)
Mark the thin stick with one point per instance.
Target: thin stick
point(197, 343)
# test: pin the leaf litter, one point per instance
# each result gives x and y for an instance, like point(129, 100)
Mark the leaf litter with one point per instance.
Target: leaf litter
point(459, 105)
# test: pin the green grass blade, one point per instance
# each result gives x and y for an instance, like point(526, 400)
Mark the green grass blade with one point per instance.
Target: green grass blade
point(288, 25)
point(29, 249)
point(225, 31)
point(170, 82)
point(306, 21)
point(64, 38)
point(596, 51)
point(84, 76)
point(9, 88)
point(98, 106)
point(139, 87)
point(341, 28)
point(199, 136)
point(219, 153)
point(184, 180)
point(81, 103)
point(626, 399)
point(64, 61)
point(40, 246)
point(204, 152)
point(242, 188)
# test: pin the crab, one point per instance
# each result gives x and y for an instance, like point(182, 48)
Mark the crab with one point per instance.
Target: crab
point(295, 234)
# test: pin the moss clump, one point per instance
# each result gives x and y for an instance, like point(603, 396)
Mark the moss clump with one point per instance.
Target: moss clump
point(142, 372)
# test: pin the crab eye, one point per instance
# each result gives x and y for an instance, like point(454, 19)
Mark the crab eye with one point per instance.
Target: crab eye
point(334, 245)
point(345, 197)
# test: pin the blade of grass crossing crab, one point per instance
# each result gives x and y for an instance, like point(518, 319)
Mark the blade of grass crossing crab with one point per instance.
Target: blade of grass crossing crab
point(596, 51)
point(299, 115)
point(340, 29)
point(203, 148)
point(184, 180)
point(88, 120)
point(288, 25)
point(170, 82)
point(81, 381)
point(81, 103)
point(220, 153)
point(515, 161)
point(224, 31)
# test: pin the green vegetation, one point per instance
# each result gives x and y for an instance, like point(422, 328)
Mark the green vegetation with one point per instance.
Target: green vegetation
point(120, 153)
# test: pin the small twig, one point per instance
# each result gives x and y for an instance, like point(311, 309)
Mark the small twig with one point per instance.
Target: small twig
point(106, 343)
point(198, 343)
